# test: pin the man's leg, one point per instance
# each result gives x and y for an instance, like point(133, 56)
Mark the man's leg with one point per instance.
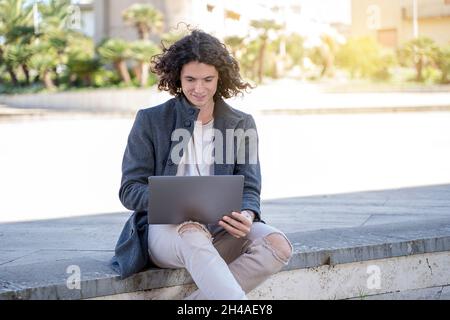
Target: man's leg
point(189, 246)
point(253, 260)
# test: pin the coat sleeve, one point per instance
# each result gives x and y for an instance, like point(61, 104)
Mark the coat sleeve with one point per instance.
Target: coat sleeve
point(138, 164)
point(248, 165)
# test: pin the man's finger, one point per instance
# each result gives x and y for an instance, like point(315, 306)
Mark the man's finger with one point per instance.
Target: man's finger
point(237, 224)
point(239, 216)
point(233, 231)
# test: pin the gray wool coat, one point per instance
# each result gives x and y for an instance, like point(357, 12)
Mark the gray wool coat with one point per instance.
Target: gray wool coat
point(148, 153)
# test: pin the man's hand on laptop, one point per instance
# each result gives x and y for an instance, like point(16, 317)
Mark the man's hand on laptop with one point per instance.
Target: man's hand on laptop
point(239, 224)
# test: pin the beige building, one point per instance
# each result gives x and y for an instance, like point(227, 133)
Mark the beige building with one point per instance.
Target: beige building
point(109, 23)
point(391, 21)
point(103, 18)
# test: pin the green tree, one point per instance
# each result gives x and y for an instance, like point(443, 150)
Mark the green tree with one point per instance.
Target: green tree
point(53, 41)
point(236, 44)
point(249, 59)
point(264, 27)
point(142, 51)
point(44, 60)
point(54, 15)
point(145, 18)
point(82, 62)
point(324, 55)
point(18, 56)
point(15, 30)
point(420, 53)
point(116, 51)
point(363, 57)
point(295, 49)
point(443, 63)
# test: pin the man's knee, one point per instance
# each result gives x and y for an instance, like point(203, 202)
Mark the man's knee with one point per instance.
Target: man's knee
point(191, 226)
point(280, 245)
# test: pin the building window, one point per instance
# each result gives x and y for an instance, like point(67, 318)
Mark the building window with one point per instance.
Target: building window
point(232, 15)
point(387, 37)
point(210, 7)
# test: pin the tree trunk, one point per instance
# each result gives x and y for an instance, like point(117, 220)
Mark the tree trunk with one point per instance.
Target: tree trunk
point(27, 73)
point(47, 77)
point(138, 72)
point(143, 31)
point(444, 77)
point(13, 76)
point(419, 68)
point(121, 67)
point(145, 66)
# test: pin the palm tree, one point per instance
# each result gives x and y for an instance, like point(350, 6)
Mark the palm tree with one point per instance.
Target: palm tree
point(420, 52)
point(54, 15)
point(116, 51)
point(443, 63)
point(264, 27)
point(44, 60)
point(235, 43)
point(18, 55)
point(145, 18)
point(15, 29)
point(142, 51)
point(325, 54)
point(82, 63)
point(15, 19)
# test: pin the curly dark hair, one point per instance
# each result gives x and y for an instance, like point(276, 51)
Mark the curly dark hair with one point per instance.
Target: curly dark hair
point(202, 47)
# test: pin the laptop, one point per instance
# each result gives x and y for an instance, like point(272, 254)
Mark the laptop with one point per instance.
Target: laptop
point(205, 199)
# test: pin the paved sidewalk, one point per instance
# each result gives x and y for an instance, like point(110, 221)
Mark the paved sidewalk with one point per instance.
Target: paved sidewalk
point(281, 96)
point(287, 96)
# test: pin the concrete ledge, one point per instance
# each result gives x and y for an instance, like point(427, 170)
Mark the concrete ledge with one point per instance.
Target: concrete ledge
point(313, 249)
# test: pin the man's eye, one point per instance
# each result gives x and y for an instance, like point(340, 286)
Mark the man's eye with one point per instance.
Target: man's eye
point(208, 80)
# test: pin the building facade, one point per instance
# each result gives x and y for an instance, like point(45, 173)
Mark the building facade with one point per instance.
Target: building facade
point(219, 17)
point(391, 21)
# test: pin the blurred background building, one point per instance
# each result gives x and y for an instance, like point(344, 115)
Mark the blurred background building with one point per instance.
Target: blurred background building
point(391, 21)
point(222, 18)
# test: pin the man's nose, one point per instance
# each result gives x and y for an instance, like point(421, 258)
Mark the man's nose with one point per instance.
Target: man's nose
point(198, 87)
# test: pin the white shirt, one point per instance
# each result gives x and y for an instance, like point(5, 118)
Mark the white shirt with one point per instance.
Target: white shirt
point(198, 159)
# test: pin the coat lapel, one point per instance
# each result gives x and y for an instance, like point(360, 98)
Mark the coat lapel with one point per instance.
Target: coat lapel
point(224, 118)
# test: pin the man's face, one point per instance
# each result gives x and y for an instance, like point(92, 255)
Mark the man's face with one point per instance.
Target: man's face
point(199, 83)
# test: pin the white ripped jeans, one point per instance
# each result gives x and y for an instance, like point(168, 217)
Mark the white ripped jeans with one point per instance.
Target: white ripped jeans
point(222, 266)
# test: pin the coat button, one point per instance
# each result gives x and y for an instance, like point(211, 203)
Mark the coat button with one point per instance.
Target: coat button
point(187, 123)
point(192, 111)
point(170, 162)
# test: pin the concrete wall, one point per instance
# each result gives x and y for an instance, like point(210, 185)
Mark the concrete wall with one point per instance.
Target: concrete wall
point(344, 281)
point(124, 100)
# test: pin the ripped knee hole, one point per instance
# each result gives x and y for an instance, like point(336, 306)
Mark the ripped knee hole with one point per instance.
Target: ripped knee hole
point(192, 226)
point(280, 245)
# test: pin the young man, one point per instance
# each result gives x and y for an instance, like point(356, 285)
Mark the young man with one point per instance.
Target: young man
point(228, 259)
